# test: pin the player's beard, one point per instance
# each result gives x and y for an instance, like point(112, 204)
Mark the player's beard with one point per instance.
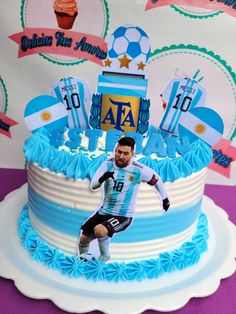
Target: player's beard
point(121, 163)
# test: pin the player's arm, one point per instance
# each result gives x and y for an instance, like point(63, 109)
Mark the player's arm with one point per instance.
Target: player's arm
point(100, 176)
point(159, 186)
point(155, 180)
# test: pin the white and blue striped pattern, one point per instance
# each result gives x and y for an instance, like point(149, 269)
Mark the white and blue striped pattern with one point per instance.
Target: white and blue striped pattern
point(69, 221)
point(73, 196)
point(181, 95)
point(120, 85)
point(74, 93)
point(122, 201)
point(45, 111)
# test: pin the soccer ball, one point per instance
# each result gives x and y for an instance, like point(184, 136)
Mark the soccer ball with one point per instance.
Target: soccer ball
point(129, 40)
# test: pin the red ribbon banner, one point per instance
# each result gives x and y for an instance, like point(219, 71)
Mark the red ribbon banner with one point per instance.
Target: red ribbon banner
point(5, 124)
point(217, 5)
point(58, 42)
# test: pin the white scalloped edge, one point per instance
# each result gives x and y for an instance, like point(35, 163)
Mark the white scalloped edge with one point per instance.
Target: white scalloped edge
point(78, 295)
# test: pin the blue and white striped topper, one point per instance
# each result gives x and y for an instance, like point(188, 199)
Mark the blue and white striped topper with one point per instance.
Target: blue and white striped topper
point(45, 111)
point(201, 123)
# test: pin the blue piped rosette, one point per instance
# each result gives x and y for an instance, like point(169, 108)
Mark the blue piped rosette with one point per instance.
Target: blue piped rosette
point(185, 256)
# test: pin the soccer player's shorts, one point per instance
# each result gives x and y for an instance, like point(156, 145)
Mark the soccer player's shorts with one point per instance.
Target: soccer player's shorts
point(114, 224)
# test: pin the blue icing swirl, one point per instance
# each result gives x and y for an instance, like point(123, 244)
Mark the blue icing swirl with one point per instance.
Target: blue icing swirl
point(24, 227)
point(135, 271)
point(59, 164)
point(202, 151)
point(187, 255)
point(203, 231)
point(192, 251)
point(194, 161)
point(95, 164)
point(200, 242)
point(183, 167)
point(36, 149)
point(77, 167)
point(116, 272)
point(30, 239)
point(72, 266)
point(202, 220)
point(44, 134)
point(38, 250)
point(180, 259)
point(45, 158)
point(148, 161)
point(40, 135)
point(167, 261)
point(53, 258)
point(153, 268)
point(95, 270)
point(159, 164)
point(169, 172)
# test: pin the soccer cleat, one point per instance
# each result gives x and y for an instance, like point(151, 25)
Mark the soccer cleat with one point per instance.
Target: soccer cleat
point(86, 257)
point(104, 258)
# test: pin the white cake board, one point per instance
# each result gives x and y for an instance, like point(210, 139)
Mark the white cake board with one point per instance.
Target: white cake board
point(167, 293)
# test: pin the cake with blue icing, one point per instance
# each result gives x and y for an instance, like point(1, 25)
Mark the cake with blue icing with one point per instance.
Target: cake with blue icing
point(70, 142)
point(60, 200)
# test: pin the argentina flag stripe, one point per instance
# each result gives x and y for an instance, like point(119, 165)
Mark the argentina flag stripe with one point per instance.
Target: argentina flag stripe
point(122, 86)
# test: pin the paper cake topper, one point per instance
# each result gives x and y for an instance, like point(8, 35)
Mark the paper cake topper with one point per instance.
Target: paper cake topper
point(121, 102)
point(179, 96)
point(75, 94)
point(201, 123)
point(128, 49)
point(5, 124)
point(45, 111)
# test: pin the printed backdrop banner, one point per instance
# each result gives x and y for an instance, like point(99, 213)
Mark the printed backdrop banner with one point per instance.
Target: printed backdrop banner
point(227, 6)
point(73, 44)
point(188, 39)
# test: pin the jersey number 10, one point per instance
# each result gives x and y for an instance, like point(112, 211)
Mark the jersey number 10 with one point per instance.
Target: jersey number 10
point(74, 101)
point(118, 186)
point(185, 103)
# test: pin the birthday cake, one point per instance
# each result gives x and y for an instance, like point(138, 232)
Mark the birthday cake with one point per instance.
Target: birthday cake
point(62, 163)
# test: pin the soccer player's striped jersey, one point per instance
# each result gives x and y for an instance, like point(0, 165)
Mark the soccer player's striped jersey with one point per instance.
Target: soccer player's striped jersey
point(120, 193)
point(181, 94)
point(73, 92)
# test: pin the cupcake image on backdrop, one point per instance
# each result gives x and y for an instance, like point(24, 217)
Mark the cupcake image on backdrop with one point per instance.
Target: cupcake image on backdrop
point(66, 12)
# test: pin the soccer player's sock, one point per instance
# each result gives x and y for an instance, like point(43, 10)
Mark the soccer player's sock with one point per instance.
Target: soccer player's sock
point(83, 248)
point(104, 247)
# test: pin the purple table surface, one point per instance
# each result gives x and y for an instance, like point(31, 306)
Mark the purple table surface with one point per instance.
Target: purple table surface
point(222, 301)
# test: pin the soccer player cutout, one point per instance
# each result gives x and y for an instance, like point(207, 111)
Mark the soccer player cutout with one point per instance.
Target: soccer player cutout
point(120, 176)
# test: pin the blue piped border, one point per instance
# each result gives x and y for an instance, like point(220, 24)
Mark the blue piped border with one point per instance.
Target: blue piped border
point(38, 150)
point(185, 256)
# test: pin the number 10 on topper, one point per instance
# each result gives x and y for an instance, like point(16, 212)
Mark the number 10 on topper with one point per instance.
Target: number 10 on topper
point(75, 94)
point(121, 103)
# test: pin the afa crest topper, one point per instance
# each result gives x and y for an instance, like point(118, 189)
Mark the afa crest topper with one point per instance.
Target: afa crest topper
point(120, 102)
